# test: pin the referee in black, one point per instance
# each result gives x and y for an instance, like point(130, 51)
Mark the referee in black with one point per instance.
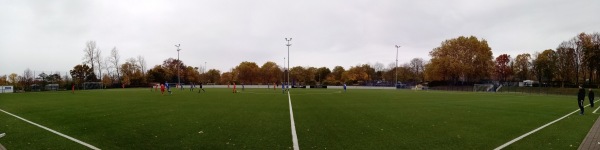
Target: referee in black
point(591, 97)
point(580, 99)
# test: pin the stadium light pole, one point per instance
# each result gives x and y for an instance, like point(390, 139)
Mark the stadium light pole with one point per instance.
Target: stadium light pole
point(178, 75)
point(288, 74)
point(397, 47)
point(283, 77)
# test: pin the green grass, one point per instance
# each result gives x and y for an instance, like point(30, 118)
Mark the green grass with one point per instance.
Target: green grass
point(259, 119)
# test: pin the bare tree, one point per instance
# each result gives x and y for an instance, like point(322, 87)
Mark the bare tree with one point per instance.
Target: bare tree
point(89, 53)
point(27, 78)
point(391, 66)
point(133, 62)
point(99, 62)
point(142, 62)
point(418, 67)
point(107, 66)
point(114, 60)
point(378, 67)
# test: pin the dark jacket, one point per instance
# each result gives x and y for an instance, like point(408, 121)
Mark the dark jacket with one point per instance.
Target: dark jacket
point(581, 94)
point(591, 95)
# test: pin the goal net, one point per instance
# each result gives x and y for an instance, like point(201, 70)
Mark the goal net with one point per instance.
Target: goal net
point(483, 88)
point(92, 85)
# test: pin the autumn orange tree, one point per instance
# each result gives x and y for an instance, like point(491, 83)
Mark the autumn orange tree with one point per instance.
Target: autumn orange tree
point(297, 75)
point(565, 65)
point(247, 72)
point(359, 74)
point(461, 59)
point(578, 60)
point(212, 76)
point(522, 67)
point(270, 73)
point(335, 77)
point(545, 65)
point(502, 69)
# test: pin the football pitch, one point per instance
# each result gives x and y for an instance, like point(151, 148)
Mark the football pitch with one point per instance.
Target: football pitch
point(260, 119)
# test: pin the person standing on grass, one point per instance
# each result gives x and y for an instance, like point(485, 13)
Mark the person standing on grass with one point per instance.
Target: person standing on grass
point(168, 88)
point(234, 90)
point(580, 99)
point(192, 86)
point(591, 97)
point(344, 87)
point(162, 89)
point(201, 88)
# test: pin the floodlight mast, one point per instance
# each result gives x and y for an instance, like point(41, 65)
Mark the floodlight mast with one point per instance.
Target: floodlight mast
point(395, 84)
point(178, 75)
point(288, 73)
point(284, 73)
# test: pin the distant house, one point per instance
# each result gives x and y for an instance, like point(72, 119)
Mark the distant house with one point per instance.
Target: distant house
point(7, 89)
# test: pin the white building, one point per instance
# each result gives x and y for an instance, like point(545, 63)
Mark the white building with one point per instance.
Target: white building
point(7, 89)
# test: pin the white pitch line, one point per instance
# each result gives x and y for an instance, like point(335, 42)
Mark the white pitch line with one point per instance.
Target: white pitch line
point(533, 131)
point(294, 137)
point(596, 110)
point(55, 132)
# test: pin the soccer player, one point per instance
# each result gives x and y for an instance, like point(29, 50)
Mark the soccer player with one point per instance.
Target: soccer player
point(168, 88)
point(162, 89)
point(344, 87)
point(192, 86)
point(234, 90)
point(201, 88)
point(580, 98)
point(242, 86)
point(282, 88)
point(591, 97)
point(73, 88)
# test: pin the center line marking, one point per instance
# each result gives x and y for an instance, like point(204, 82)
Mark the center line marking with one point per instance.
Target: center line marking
point(55, 132)
point(294, 137)
point(533, 131)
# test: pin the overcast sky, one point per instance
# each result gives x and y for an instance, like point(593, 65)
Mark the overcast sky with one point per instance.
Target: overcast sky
point(50, 35)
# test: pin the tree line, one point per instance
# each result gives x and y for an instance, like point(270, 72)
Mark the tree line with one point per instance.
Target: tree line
point(458, 61)
point(469, 60)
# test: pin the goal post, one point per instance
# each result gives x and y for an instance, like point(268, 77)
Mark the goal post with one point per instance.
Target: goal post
point(483, 88)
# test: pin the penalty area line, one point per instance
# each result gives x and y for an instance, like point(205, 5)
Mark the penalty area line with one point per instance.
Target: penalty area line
point(294, 136)
point(535, 130)
point(55, 132)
